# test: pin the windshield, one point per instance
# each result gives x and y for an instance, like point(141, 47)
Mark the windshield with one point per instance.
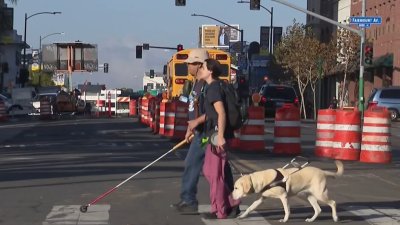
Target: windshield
point(279, 92)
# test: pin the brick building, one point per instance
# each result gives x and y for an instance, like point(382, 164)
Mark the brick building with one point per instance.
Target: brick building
point(385, 70)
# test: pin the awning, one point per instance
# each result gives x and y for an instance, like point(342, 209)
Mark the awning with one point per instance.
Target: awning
point(383, 61)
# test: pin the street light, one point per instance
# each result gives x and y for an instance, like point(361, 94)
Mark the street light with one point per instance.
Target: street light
point(26, 19)
point(42, 38)
point(271, 12)
point(235, 28)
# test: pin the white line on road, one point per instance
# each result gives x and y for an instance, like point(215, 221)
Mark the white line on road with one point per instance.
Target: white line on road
point(376, 216)
point(253, 219)
point(70, 214)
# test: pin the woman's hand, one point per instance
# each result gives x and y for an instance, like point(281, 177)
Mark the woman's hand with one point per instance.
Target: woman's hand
point(221, 144)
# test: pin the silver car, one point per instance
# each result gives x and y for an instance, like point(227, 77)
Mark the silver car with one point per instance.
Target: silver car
point(386, 97)
point(9, 104)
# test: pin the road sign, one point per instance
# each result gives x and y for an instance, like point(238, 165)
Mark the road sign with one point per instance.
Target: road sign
point(364, 25)
point(365, 20)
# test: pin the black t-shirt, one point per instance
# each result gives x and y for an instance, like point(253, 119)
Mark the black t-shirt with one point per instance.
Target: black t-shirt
point(213, 93)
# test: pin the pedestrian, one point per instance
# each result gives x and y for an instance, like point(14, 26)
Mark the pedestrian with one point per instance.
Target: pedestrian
point(214, 169)
point(195, 156)
point(334, 103)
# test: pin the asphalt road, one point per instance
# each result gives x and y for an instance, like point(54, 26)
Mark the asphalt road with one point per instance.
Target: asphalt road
point(49, 168)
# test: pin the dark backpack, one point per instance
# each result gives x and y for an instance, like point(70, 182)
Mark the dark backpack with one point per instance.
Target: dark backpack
point(234, 111)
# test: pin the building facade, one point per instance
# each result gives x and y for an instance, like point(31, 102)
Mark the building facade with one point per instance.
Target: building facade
point(11, 45)
point(385, 38)
point(154, 83)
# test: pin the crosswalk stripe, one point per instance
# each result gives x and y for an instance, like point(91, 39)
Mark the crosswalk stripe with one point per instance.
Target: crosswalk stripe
point(254, 218)
point(376, 216)
point(70, 214)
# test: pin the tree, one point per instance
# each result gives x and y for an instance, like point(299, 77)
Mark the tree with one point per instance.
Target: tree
point(296, 53)
point(348, 48)
point(325, 60)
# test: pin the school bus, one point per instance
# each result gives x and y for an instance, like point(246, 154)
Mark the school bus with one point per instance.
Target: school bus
point(177, 70)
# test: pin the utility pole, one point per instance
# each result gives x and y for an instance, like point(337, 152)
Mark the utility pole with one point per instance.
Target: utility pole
point(361, 76)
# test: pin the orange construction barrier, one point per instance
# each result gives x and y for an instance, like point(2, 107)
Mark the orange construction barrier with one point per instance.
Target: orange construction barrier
point(347, 139)
point(181, 119)
point(100, 104)
point(156, 117)
point(3, 112)
point(45, 109)
point(235, 142)
point(139, 108)
point(325, 132)
point(144, 110)
point(375, 145)
point(287, 130)
point(167, 118)
point(132, 107)
point(252, 131)
point(152, 111)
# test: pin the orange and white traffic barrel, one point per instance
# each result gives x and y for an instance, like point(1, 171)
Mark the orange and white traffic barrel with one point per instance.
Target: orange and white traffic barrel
point(156, 120)
point(252, 132)
point(287, 130)
point(167, 118)
point(347, 138)
point(45, 109)
point(375, 144)
point(151, 113)
point(132, 107)
point(144, 110)
point(181, 119)
point(235, 142)
point(139, 108)
point(100, 105)
point(3, 112)
point(325, 132)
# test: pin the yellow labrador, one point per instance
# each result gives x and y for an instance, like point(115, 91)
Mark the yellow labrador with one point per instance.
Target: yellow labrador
point(309, 181)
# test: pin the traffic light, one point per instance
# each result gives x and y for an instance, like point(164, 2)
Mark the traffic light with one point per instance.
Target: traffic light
point(146, 46)
point(139, 50)
point(105, 67)
point(179, 48)
point(255, 4)
point(151, 73)
point(368, 54)
point(243, 87)
point(180, 2)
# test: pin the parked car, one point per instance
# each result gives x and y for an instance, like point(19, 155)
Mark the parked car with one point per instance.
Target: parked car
point(273, 96)
point(386, 97)
point(10, 107)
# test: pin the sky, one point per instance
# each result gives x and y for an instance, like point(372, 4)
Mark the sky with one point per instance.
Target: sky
point(118, 26)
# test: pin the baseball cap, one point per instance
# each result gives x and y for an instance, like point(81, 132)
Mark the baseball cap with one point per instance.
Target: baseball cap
point(197, 55)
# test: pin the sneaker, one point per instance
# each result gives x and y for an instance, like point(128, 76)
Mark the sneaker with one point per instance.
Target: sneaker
point(209, 216)
point(185, 208)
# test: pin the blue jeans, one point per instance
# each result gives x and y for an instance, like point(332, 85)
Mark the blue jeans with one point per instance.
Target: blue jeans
point(193, 166)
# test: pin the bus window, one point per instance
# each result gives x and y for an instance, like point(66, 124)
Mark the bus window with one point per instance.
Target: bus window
point(181, 69)
point(224, 70)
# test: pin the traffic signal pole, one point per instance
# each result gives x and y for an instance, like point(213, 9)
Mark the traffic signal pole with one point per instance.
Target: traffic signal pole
point(361, 33)
point(361, 76)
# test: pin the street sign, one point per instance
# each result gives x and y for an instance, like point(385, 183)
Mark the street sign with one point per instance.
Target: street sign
point(365, 20)
point(364, 25)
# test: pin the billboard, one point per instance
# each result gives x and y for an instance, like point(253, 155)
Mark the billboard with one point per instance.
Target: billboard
point(83, 57)
point(214, 36)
